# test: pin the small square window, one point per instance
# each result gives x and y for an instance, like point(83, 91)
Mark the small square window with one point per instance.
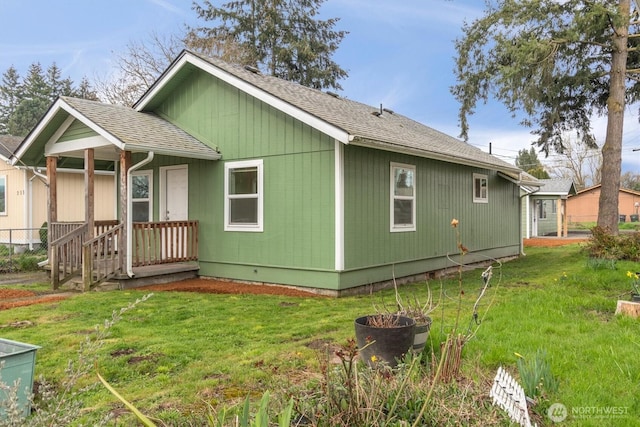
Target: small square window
point(480, 188)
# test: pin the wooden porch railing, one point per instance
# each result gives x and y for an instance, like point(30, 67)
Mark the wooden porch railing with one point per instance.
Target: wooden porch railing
point(102, 259)
point(59, 229)
point(164, 242)
point(66, 255)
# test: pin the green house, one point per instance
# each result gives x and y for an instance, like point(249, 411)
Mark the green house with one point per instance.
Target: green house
point(238, 175)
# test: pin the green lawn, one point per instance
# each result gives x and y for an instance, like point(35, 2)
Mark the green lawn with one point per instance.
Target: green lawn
point(175, 353)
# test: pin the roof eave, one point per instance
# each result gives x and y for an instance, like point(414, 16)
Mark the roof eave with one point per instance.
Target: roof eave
point(431, 155)
point(37, 130)
point(61, 105)
point(213, 155)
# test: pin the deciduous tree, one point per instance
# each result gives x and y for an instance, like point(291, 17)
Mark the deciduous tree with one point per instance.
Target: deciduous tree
point(630, 180)
point(138, 67)
point(581, 164)
point(559, 63)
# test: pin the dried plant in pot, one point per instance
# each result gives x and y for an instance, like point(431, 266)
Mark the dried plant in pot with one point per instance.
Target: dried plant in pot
point(384, 338)
point(420, 312)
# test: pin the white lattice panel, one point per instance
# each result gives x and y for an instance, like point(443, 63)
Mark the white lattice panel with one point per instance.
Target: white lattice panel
point(509, 395)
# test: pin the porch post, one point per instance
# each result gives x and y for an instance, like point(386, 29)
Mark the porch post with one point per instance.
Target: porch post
point(565, 220)
point(559, 221)
point(89, 197)
point(52, 216)
point(125, 164)
point(52, 165)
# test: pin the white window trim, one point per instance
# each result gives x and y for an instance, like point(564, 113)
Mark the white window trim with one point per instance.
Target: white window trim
point(399, 228)
point(259, 227)
point(476, 177)
point(149, 174)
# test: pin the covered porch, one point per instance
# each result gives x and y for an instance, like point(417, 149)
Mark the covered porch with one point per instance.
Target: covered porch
point(144, 240)
point(160, 251)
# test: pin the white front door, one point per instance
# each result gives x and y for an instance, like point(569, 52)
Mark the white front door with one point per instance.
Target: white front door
point(534, 218)
point(174, 193)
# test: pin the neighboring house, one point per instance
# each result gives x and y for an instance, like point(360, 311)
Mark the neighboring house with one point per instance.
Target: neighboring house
point(583, 207)
point(263, 180)
point(543, 210)
point(23, 197)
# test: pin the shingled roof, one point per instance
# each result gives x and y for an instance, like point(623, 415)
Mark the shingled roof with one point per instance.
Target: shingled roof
point(558, 186)
point(8, 145)
point(140, 131)
point(364, 124)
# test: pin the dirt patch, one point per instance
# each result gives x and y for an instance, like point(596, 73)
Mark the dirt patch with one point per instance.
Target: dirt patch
point(6, 294)
point(549, 242)
point(122, 352)
point(211, 286)
point(11, 298)
point(30, 301)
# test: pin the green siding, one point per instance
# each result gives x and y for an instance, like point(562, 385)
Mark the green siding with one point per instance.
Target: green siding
point(77, 130)
point(298, 164)
point(443, 192)
point(297, 245)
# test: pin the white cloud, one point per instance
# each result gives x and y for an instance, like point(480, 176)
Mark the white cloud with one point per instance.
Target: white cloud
point(168, 6)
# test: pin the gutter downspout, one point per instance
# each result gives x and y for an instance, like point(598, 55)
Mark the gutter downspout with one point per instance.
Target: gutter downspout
point(130, 213)
point(39, 175)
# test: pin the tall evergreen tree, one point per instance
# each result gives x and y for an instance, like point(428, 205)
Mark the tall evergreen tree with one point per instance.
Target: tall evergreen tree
point(10, 96)
point(23, 103)
point(35, 100)
point(561, 63)
point(529, 162)
point(282, 38)
point(85, 91)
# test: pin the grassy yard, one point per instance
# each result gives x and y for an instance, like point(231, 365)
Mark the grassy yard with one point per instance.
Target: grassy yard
point(176, 353)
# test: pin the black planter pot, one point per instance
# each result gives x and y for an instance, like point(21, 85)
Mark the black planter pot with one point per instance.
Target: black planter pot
point(635, 297)
point(421, 335)
point(390, 345)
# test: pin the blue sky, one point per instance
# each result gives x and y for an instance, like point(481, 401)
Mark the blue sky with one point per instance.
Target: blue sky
point(398, 53)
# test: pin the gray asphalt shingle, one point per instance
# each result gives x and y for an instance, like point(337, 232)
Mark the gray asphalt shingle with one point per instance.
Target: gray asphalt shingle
point(389, 129)
point(8, 145)
point(145, 130)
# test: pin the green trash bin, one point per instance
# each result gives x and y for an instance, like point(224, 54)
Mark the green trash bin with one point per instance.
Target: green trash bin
point(18, 363)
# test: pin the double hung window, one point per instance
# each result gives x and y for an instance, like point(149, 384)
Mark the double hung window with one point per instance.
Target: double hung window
point(403, 197)
point(480, 188)
point(243, 196)
point(141, 196)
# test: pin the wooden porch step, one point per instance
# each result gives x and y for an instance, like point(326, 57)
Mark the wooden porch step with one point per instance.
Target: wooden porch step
point(76, 284)
point(158, 274)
